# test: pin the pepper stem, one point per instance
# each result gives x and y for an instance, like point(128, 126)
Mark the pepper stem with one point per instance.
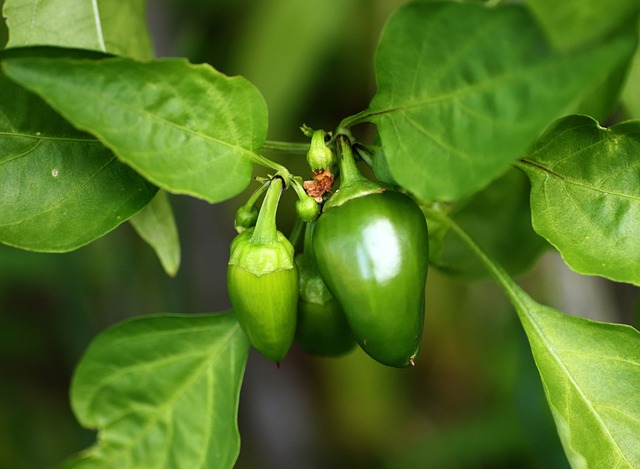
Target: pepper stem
point(256, 195)
point(352, 183)
point(349, 171)
point(265, 230)
point(308, 241)
point(308, 254)
point(300, 192)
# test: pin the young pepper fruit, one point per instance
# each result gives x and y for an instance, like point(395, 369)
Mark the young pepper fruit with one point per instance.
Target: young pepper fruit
point(322, 327)
point(372, 248)
point(262, 281)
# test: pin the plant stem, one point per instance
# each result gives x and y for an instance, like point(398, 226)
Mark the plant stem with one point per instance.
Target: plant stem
point(267, 163)
point(296, 232)
point(349, 171)
point(354, 120)
point(286, 147)
point(297, 187)
point(265, 230)
point(256, 195)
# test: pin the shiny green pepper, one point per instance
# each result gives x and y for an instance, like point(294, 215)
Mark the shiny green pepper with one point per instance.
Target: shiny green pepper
point(262, 281)
point(372, 248)
point(322, 327)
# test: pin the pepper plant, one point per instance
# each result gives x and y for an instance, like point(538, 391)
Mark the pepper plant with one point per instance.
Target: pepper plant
point(95, 132)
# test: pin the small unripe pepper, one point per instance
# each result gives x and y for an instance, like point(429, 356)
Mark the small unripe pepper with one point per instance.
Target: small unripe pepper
point(262, 281)
point(319, 156)
point(307, 209)
point(246, 217)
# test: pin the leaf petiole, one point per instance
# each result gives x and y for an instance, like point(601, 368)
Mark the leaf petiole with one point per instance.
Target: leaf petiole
point(267, 163)
point(359, 118)
point(286, 147)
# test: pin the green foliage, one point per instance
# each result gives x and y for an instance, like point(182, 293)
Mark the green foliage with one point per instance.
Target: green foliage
point(597, 422)
point(156, 225)
point(78, 190)
point(464, 90)
point(589, 371)
point(585, 197)
point(465, 93)
point(572, 23)
point(163, 392)
point(115, 27)
point(187, 128)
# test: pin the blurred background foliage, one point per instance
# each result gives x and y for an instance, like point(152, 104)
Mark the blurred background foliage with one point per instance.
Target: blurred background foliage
point(474, 399)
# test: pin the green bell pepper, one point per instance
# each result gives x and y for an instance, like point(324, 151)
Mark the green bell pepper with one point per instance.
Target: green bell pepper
point(372, 248)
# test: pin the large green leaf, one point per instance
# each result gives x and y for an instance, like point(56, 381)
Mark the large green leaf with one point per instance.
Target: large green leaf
point(187, 128)
point(585, 196)
point(463, 90)
point(499, 218)
point(163, 392)
point(59, 188)
point(571, 23)
point(591, 375)
point(590, 372)
point(117, 27)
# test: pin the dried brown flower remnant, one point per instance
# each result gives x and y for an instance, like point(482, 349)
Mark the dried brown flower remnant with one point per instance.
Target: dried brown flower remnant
point(320, 184)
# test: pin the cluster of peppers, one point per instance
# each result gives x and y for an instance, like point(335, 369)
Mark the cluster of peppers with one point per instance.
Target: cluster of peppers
point(360, 278)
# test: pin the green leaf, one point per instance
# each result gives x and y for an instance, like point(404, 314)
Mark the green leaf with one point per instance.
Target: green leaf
point(499, 218)
point(463, 90)
point(585, 196)
point(163, 392)
point(571, 23)
point(590, 372)
point(59, 188)
point(187, 128)
point(117, 28)
point(156, 225)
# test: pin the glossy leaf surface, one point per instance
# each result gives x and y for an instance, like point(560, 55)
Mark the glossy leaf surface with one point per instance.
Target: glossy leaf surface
point(118, 28)
point(157, 226)
point(585, 196)
point(187, 128)
point(463, 90)
point(59, 188)
point(163, 392)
